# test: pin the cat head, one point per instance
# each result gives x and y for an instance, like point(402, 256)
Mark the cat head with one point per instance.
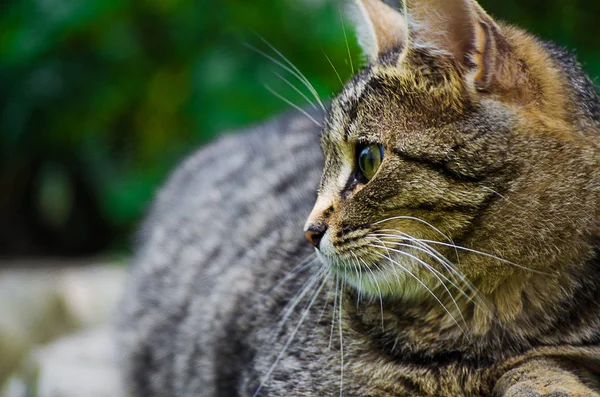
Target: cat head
point(461, 155)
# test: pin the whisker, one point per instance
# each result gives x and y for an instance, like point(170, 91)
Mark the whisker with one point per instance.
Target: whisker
point(458, 247)
point(291, 337)
point(445, 261)
point(454, 273)
point(489, 256)
point(341, 339)
point(380, 294)
point(412, 218)
point(405, 236)
point(489, 189)
point(335, 302)
point(325, 304)
point(333, 66)
point(452, 283)
point(377, 285)
point(297, 299)
point(346, 37)
point(432, 271)
point(390, 258)
point(303, 95)
point(426, 288)
point(358, 270)
point(295, 71)
point(360, 276)
point(300, 268)
point(423, 222)
point(304, 112)
point(388, 252)
point(511, 202)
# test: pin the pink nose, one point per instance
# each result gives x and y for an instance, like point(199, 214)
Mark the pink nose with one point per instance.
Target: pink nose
point(314, 234)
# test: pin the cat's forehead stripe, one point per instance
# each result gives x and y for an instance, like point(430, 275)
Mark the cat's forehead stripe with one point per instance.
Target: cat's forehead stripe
point(345, 113)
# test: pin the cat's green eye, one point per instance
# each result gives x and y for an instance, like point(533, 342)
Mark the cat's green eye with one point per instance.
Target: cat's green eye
point(369, 160)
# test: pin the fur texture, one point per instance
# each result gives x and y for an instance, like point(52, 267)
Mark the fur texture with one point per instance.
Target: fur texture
point(492, 157)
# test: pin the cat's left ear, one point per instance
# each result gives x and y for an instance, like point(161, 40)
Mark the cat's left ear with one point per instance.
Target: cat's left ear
point(465, 30)
point(379, 27)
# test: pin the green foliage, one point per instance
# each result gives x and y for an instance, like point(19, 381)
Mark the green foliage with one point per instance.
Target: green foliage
point(122, 89)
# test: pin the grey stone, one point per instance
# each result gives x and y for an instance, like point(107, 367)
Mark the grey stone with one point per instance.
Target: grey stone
point(39, 304)
point(83, 364)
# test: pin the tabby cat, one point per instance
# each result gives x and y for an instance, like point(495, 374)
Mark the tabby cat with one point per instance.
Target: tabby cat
point(456, 231)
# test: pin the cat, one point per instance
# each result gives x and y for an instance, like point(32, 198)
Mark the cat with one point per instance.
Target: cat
point(453, 239)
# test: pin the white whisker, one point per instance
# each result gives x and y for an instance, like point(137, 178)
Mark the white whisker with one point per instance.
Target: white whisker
point(295, 71)
point(489, 256)
point(334, 68)
point(458, 247)
point(291, 337)
point(388, 252)
point(423, 222)
point(357, 267)
point(380, 295)
point(412, 218)
point(300, 268)
point(434, 253)
point(335, 302)
point(426, 288)
point(342, 339)
point(454, 273)
point(432, 271)
point(346, 38)
point(297, 299)
point(298, 108)
point(325, 303)
point(432, 268)
point(303, 95)
point(405, 236)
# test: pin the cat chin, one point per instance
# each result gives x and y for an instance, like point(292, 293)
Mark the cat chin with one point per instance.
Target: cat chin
point(374, 284)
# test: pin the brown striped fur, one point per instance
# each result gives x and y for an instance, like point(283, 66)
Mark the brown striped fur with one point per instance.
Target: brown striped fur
point(491, 137)
point(496, 154)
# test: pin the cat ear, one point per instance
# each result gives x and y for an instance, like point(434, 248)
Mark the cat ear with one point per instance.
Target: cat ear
point(462, 28)
point(379, 27)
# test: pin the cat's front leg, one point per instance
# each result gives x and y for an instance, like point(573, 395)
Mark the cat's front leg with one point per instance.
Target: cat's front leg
point(547, 377)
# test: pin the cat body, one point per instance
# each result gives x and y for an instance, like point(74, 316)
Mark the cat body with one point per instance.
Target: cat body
point(459, 258)
point(258, 185)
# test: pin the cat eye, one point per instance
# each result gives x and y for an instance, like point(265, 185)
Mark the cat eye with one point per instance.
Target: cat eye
point(369, 160)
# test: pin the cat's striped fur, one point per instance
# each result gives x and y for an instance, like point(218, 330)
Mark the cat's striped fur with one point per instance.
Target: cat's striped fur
point(501, 156)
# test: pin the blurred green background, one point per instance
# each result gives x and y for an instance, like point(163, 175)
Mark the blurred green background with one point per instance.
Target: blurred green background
point(100, 98)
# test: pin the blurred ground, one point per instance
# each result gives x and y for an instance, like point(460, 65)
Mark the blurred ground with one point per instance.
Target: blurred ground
point(80, 365)
point(40, 303)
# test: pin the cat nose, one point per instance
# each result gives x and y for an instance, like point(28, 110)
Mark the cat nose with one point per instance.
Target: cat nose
point(314, 234)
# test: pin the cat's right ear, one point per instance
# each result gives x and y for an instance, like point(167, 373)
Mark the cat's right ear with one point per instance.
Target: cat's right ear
point(379, 27)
